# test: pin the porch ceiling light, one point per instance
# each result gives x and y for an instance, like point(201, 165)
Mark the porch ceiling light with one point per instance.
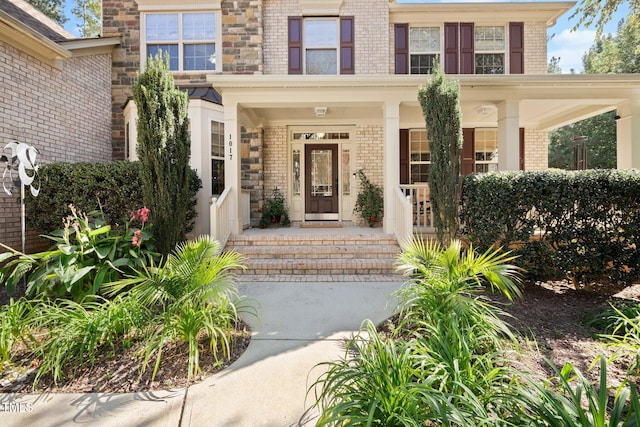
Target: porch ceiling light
point(485, 110)
point(320, 111)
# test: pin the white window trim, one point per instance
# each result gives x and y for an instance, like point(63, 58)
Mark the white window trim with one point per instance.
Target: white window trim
point(439, 54)
point(217, 42)
point(494, 161)
point(335, 19)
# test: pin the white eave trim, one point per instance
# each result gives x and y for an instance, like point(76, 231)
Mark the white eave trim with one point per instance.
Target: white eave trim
point(601, 81)
point(16, 34)
point(540, 11)
point(92, 46)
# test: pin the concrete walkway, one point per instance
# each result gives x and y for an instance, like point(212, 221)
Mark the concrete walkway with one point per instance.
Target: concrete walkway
point(301, 324)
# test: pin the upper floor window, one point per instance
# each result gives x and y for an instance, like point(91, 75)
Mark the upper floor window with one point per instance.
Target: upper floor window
point(188, 38)
point(320, 41)
point(424, 46)
point(489, 43)
point(321, 45)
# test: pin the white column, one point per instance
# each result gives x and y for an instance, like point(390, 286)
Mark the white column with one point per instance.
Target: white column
point(199, 161)
point(628, 135)
point(232, 175)
point(391, 111)
point(509, 136)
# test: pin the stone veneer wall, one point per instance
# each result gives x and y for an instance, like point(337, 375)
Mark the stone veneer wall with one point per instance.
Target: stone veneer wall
point(251, 151)
point(536, 150)
point(371, 53)
point(63, 113)
point(241, 52)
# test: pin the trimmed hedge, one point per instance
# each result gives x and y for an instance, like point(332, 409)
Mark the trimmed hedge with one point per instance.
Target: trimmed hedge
point(115, 186)
point(584, 225)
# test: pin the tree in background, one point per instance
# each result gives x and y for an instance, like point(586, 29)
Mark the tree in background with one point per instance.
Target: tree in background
point(618, 53)
point(440, 102)
point(89, 16)
point(599, 13)
point(163, 149)
point(601, 143)
point(54, 9)
point(554, 66)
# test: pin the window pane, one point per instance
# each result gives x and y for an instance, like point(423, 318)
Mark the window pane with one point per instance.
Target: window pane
point(321, 61)
point(296, 172)
point(419, 173)
point(199, 26)
point(489, 63)
point(346, 173)
point(217, 139)
point(171, 49)
point(423, 64)
point(217, 177)
point(424, 39)
point(320, 33)
point(162, 27)
point(489, 38)
point(200, 56)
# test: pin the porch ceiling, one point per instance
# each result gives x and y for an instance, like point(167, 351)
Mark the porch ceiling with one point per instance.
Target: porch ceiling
point(546, 101)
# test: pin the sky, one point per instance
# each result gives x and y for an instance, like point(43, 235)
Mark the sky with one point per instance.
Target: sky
point(568, 45)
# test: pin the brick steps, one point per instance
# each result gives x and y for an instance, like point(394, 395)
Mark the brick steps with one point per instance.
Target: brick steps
point(302, 254)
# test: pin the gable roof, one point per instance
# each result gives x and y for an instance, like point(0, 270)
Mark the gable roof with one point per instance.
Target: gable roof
point(37, 21)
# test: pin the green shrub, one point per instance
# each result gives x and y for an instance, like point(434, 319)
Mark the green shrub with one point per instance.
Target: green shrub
point(112, 187)
point(587, 222)
point(370, 201)
point(274, 210)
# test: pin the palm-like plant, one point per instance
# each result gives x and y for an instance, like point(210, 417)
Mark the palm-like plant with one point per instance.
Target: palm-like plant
point(196, 292)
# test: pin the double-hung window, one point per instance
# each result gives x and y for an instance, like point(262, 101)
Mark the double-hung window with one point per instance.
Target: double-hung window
point(217, 158)
point(486, 150)
point(424, 46)
point(321, 45)
point(419, 156)
point(489, 43)
point(320, 39)
point(189, 39)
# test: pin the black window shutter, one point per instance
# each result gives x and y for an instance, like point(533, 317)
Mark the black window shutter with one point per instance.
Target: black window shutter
point(451, 48)
point(346, 45)
point(521, 149)
point(295, 45)
point(467, 60)
point(516, 48)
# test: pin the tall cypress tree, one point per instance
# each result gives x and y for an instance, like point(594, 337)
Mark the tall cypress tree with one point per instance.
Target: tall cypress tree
point(163, 149)
point(440, 102)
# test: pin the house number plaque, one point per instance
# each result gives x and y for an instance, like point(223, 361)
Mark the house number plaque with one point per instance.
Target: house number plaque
point(230, 148)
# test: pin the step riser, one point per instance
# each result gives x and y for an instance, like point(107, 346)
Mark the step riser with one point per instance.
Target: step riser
point(317, 255)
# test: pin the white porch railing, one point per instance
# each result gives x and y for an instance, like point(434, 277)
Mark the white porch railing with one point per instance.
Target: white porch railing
point(404, 224)
point(219, 226)
point(422, 213)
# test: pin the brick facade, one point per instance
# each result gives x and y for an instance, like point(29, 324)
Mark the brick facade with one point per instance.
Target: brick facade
point(371, 53)
point(64, 113)
point(251, 151)
point(242, 32)
point(535, 48)
point(536, 150)
point(369, 157)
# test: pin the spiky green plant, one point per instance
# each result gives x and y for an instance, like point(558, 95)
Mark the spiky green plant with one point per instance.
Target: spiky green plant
point(196, 293)
point(78, 332)
point(15, 320)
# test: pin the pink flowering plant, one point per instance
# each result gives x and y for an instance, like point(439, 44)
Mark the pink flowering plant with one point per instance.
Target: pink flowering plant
point(86, 253)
